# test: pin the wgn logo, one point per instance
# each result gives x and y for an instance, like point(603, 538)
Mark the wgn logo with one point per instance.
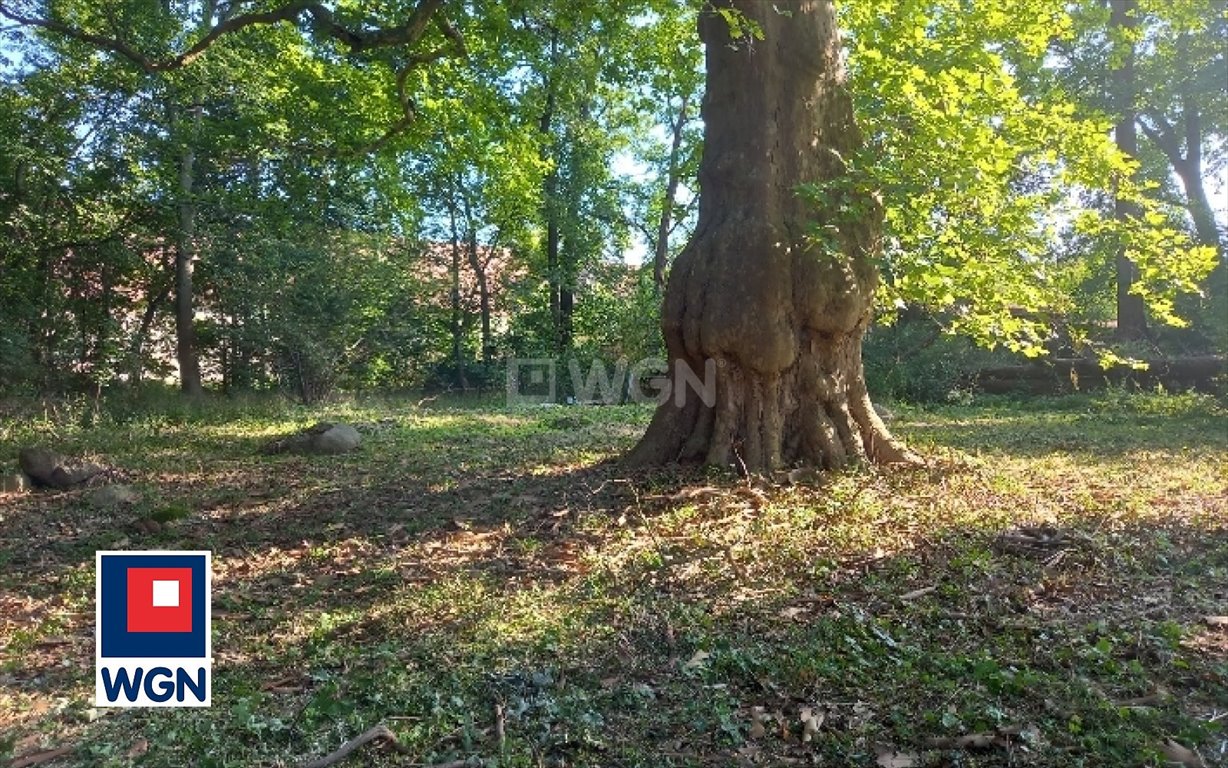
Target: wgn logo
point(153, 622)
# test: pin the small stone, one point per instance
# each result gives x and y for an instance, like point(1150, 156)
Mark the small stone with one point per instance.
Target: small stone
point(804, 476)
point(111, 496)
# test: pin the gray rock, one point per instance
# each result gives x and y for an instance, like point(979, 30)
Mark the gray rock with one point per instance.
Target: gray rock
point(51, 470)
point(340, 438)
point(17, 482)
point(322, 439)
point(111, 496)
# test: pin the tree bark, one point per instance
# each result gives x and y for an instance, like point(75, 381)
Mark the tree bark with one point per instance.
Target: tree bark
point(458, 356)
point(136, 350)
point(1191, 170)
point(561, 297)
point(1131, 314)
point(1183, 148)
point(479, 274)
point(185, 254)
point(781, 314)
point(673, 174)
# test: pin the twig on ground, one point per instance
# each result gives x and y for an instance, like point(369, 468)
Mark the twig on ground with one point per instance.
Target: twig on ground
point(342, 752)
point(38, 758)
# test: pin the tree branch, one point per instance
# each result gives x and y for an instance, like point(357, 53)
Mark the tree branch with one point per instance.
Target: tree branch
point(378, 732)
point(356, 40)
point(1193, 128)
point(1163, 135)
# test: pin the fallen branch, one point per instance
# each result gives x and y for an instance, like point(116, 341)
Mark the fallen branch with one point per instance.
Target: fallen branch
point(342, 752)
point(38, 758)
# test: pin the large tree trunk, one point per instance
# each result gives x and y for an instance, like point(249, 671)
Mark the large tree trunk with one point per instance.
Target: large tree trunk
point(1131, 314)
point(780, 313)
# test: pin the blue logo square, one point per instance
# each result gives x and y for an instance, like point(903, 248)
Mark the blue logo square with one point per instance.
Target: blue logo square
point(116, 641)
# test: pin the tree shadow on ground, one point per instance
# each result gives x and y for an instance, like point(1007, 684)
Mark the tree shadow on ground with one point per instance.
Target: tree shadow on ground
point(618, 619)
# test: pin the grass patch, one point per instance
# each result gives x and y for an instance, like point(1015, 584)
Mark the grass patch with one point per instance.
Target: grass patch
point(485, 584)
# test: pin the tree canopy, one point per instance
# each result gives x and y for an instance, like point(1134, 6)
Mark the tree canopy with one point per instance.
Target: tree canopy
point(310, 141)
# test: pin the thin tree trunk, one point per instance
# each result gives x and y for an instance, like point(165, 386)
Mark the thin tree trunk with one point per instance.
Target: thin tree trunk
point(186, 351)
point(567, 309)
point(479, 274)
point(103, 336)
point(185, 254)
point(1189, 169)
point(136, 351)
point(1131, 314)
point(772, 318)
point(661, 255)
point(1183, 148)
point(458, 358)
point(1205, 228)
point(550, 193)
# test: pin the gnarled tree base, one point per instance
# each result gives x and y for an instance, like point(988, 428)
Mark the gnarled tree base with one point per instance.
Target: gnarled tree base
point(815, 413)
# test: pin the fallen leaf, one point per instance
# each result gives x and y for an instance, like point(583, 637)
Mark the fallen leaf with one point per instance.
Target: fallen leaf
point(138, 748)
point(51, 642)
point(1181, 755)
point(697, 660)
point(896, 759)
point(1150, 700)
point(812, 720)
point(980, 740)
point(917, 593)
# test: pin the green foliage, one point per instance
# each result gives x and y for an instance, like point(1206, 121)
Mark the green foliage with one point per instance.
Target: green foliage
point(981, 169)
point(986, 130)
point(917, 360)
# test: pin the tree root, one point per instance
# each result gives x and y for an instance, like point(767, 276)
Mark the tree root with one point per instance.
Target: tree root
point(816, 413)
point(342, 752)
point(382, 732)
